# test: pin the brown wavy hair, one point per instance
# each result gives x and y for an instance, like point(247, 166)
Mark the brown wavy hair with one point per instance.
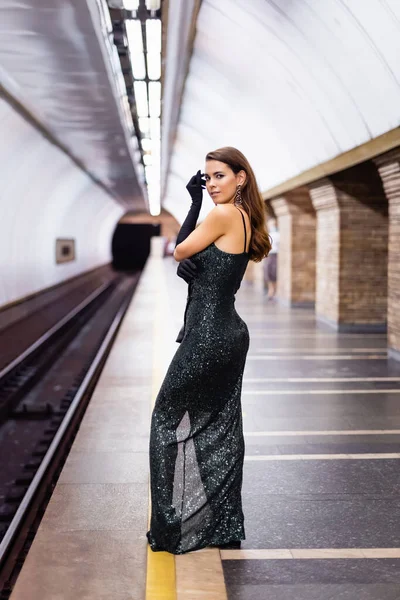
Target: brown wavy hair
point(252, 201)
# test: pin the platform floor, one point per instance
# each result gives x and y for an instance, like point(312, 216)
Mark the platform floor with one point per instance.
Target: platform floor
point(321, 480)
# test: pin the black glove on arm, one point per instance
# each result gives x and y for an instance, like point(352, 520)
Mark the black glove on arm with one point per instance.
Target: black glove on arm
point(195, 189)
point(187, 270)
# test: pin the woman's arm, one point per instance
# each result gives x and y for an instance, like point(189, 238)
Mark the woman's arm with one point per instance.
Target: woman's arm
point(214, 225)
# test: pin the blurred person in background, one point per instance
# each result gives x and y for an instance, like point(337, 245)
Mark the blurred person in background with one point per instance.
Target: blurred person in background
point(169, 246)
point(270, 263)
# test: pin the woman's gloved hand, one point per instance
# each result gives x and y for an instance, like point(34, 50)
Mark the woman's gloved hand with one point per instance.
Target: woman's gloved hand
point(187, 270)
point(195, 187)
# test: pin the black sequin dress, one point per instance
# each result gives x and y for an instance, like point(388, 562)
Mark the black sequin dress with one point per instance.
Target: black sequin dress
point(196, 439)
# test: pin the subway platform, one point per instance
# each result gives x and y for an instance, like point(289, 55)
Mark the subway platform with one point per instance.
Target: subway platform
point(321, 413)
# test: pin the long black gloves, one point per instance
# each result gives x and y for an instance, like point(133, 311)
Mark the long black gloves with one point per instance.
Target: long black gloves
point(186, 268)
point(195, 189)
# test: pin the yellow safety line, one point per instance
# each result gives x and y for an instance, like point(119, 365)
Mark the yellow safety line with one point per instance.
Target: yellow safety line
point(160, 580)
point(160, 577)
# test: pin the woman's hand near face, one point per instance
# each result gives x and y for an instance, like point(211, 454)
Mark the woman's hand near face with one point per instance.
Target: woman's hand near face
point(195, 187)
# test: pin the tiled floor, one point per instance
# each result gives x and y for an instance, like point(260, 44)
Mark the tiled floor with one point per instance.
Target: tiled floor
point(321, 417)
point(328, 523)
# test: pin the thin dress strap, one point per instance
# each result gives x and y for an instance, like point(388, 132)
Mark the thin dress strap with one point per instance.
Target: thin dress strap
point(244, 225)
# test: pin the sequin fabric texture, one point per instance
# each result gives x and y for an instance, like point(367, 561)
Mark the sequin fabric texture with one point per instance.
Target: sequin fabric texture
point(196, 439)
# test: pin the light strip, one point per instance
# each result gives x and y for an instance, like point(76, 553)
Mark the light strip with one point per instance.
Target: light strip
point(138, 66)
point(149, 174)
point(134, 33)
point(154, 199)
point(144, 124)
point(153, 4)
point(155, 128)
point(154, 65)
point(131, 4)
point(135, 42)
point(146, 144)
point(153, 35)
point(140, 88)
point(155, 98)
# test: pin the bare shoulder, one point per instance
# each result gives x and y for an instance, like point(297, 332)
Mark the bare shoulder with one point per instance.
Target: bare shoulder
point(220, 213)
point(225, 211)
point(229, 212)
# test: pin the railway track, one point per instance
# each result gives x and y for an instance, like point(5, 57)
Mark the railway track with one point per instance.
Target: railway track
point(43, 396)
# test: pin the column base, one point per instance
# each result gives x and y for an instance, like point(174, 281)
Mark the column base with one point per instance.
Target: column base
point(295, 304)
point(351, 327)
point(303, 304)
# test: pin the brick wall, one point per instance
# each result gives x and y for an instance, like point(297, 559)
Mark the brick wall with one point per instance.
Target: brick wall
point(284, 273)
point(389, 170)
point(352, 247)
point(303, 258)
point(296, 258)
point(327, 251)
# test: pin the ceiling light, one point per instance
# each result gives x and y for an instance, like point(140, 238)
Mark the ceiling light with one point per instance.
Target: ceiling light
point(153, 35)
point(127, 4)
point(146, 145)
point(144, 125)
point(155, 148)
point(149, 174)
point(155, 98)
point(135, 43)
point(153, 4)
point(154, 199)
point(138, 66)
point(131, 4)
point(154, 65)
point(142, 108)
point(134, 33)
point(155, 128)
point(156, 170)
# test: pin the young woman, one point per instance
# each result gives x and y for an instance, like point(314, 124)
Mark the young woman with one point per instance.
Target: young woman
point(196, 439)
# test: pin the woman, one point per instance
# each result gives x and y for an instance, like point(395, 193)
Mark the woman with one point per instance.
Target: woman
point(271, 262)
point(196, 440)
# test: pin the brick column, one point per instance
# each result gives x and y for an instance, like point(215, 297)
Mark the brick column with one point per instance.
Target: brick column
point(352, 244)
point(296, 257)
point(389, 171)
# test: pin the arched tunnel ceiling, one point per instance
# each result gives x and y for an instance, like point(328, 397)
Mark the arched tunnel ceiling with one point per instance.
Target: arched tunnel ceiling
point(291, 83)
point(57, 60)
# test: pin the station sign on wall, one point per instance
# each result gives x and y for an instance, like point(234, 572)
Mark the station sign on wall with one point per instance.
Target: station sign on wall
point(65, 250)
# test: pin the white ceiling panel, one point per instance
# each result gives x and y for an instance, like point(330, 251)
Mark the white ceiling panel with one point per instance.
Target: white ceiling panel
point(45, 196)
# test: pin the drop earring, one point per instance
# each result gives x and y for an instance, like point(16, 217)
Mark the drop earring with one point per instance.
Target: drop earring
point(238, 195)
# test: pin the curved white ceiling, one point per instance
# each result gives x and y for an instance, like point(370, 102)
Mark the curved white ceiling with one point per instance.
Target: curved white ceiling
point(44, 196)
point(57, 60)
point(291, 83)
